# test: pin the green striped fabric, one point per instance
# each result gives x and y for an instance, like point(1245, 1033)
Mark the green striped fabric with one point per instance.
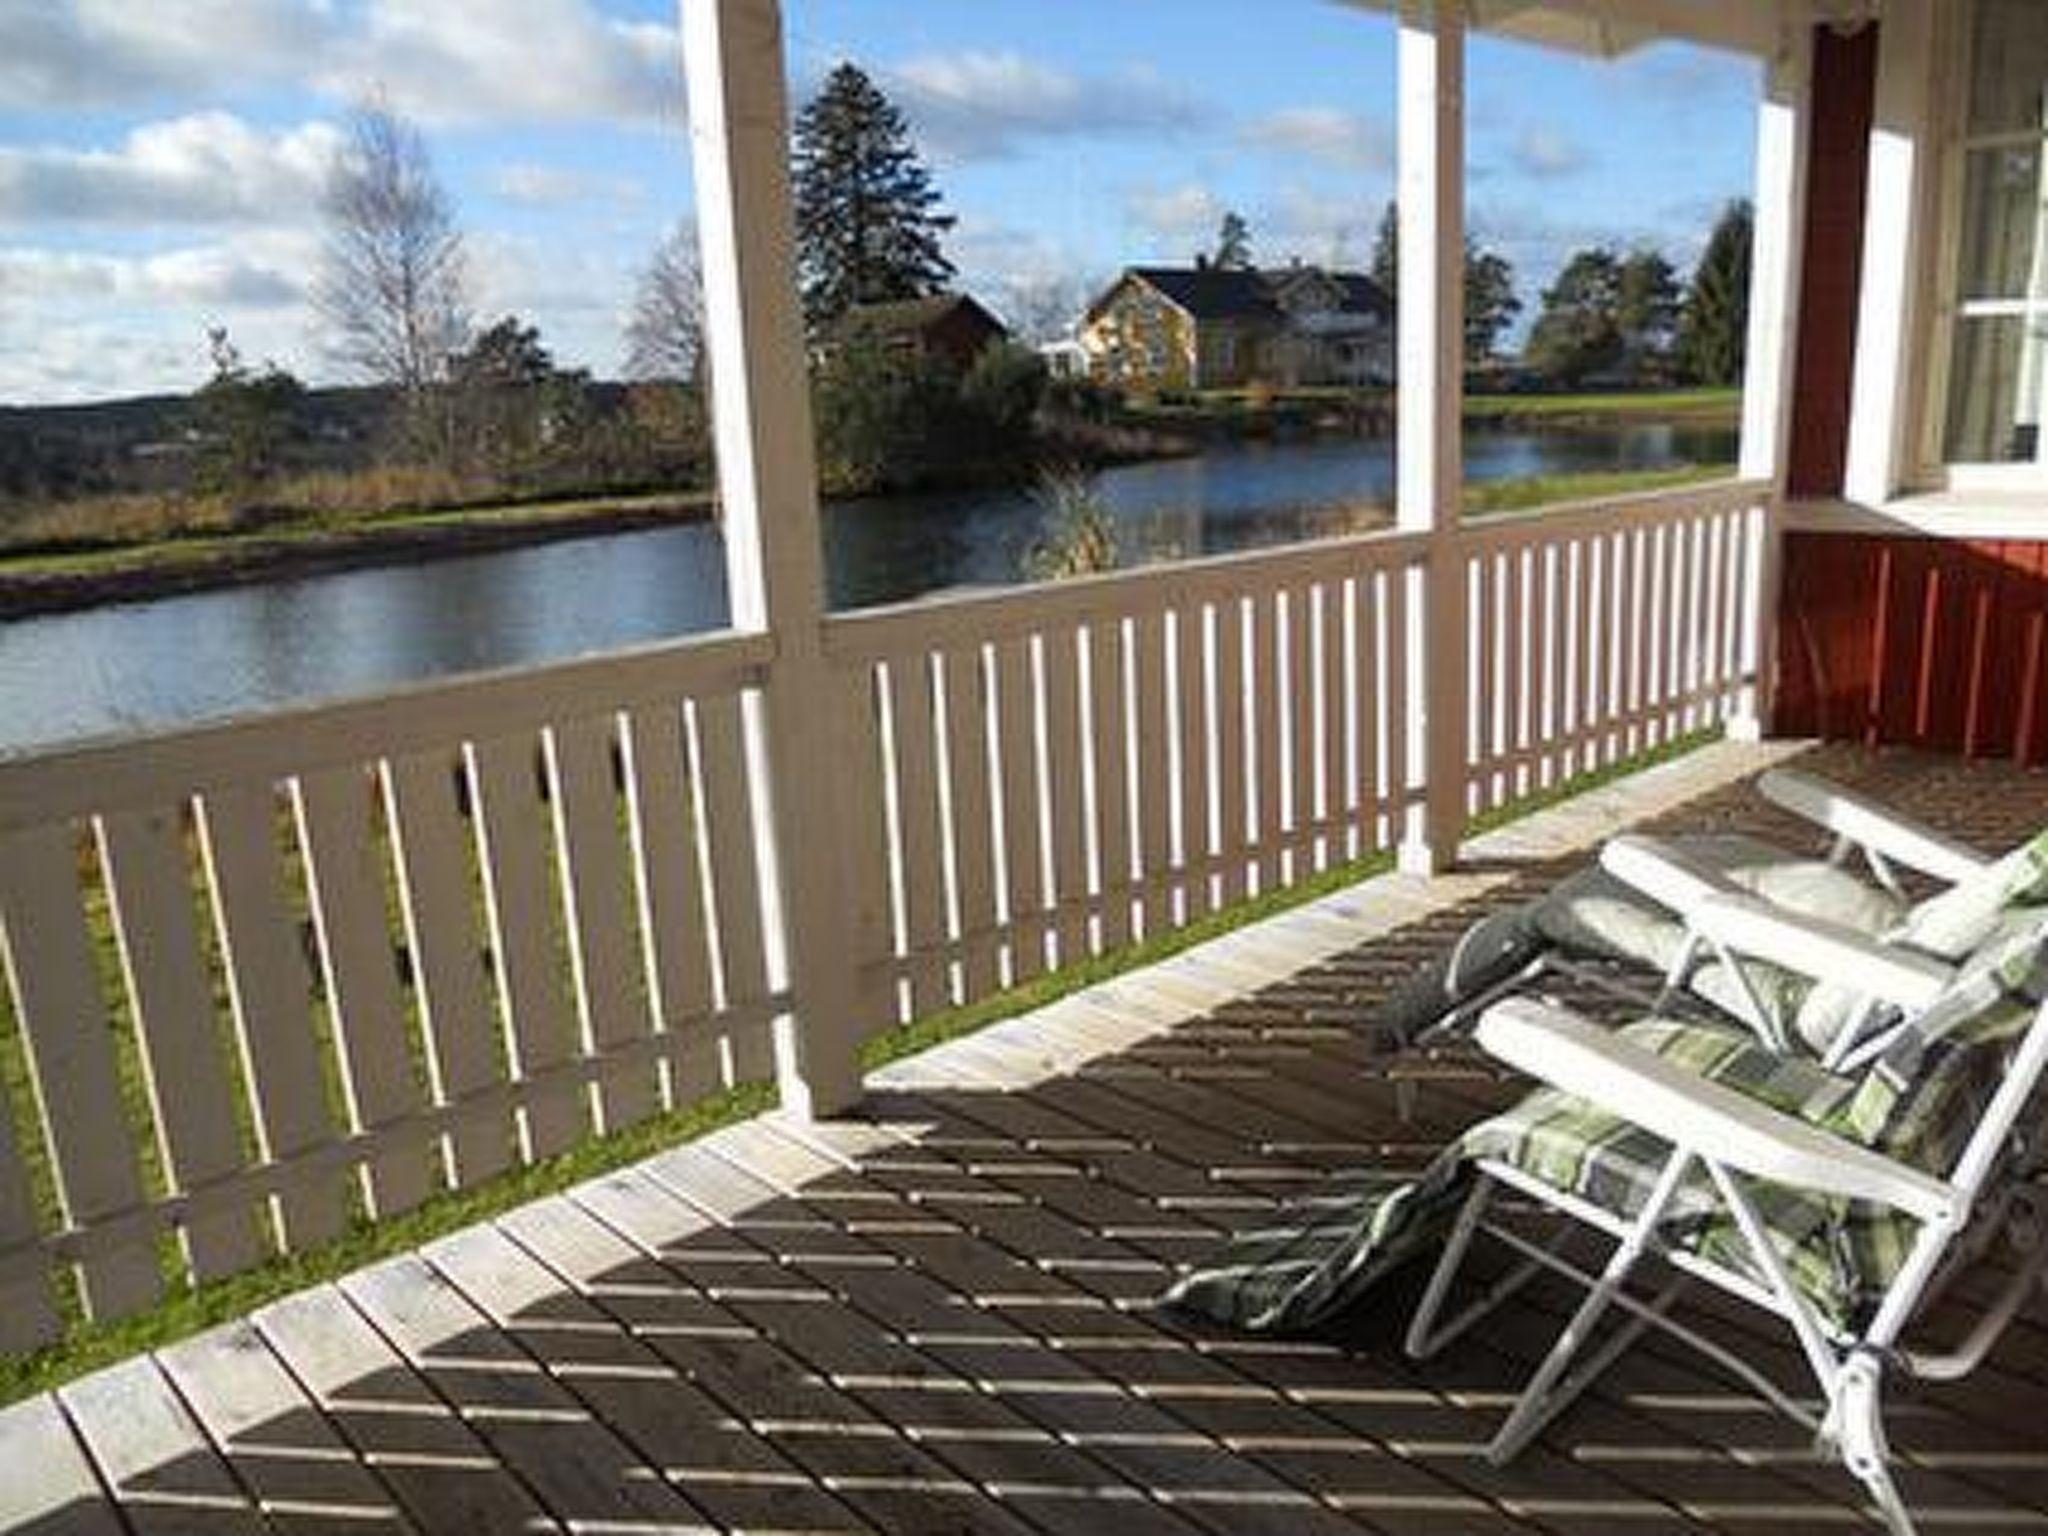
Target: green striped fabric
point(1919, 1104)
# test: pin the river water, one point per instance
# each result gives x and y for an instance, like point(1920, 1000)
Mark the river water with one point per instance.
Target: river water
point(205, 655)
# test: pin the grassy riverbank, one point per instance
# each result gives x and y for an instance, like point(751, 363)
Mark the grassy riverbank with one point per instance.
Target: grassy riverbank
point(55, 581)
point(45, 582)
point(1260, 412)
point(1680, 407)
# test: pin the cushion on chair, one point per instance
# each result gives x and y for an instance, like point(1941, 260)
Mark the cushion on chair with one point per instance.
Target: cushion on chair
point(1592, 914)
point(1952, 926)
point(1920, 1104)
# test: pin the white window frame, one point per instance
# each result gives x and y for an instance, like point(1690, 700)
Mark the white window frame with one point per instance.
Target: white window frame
point(1955, 43)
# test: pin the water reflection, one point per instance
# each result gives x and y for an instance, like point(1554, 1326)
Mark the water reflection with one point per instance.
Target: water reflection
point(216, 653)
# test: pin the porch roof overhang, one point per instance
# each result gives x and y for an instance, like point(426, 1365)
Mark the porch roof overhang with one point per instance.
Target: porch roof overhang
point(1611, 28)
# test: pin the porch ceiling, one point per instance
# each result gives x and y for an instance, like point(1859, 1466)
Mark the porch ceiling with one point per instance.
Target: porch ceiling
point(936, 1316)
point(1611, 28)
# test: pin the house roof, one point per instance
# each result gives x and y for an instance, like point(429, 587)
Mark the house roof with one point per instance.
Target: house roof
point(1244, 293)
point(912, 317)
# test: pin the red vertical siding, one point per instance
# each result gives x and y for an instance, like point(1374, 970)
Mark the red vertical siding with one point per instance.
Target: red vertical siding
point(1935, 643)
point(1838, 157)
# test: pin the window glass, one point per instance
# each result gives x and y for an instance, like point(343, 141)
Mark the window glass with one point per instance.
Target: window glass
point(2001, 221)
point(2000, 335)
point(2010, 54)
point(1994, 389)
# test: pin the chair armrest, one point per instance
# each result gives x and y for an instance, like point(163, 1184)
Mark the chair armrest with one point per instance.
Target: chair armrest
point(1825, 951)
point(1664, 872)
point(1558, 1047)
point(1871, 825)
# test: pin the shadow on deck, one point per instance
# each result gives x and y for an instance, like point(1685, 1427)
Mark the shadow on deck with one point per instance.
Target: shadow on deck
point(937, 1317)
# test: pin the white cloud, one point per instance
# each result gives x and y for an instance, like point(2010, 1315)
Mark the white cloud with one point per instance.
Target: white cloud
point(206, 168)
point(1351, 141)
point(485, 59)
point(1546, 152)
point(72, 53)
point(1175, 215)
point(267, 273)
point(545, 186)
point(984, 105)
point(436, 59)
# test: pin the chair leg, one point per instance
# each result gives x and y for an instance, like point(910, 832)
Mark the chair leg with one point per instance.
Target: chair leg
point(1857, 1426)
point(1423, 1341)
point(1539, 1402)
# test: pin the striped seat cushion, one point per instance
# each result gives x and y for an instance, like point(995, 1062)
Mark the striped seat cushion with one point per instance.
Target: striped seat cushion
point(1920, 1104)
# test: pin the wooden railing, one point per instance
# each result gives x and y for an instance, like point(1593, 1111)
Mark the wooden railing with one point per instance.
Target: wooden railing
point(1059, 771)
point(271, 975)
point(1602, 631)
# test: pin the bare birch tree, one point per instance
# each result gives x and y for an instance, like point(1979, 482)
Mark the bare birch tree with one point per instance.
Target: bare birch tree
point(392, 286)
point(665, 332)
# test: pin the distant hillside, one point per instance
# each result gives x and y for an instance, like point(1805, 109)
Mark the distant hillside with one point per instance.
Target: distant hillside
point(54, 453)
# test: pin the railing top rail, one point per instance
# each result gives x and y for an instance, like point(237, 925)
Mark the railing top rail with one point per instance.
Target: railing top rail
point(876, 633)
point(153, 768)
point(1610, 513)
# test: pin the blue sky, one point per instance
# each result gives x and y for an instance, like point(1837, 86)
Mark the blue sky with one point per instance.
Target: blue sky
point(160, 159)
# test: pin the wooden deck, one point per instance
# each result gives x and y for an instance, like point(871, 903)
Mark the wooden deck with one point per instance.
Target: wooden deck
point(937, 1317)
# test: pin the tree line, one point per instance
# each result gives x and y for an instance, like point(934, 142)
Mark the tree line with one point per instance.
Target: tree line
point(1622, 316)
point(483, 410)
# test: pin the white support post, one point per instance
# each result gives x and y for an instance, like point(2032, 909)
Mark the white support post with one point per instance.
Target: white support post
point(1783, 120)
point(1884, 400)
point(1430, 379)
point(739, 132)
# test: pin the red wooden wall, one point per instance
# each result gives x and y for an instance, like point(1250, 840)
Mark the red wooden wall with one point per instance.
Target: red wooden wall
point(1936, 643)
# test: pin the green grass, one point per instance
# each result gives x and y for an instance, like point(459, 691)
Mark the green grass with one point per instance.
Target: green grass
point(191, 551)
point(1495, 496)
point(192, 1308)
point(1683, 404)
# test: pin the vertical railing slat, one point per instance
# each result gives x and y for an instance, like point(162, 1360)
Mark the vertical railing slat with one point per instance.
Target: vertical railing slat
point(63, 1018)
point(1109, 741)
point(361, 974)
point(437, 892)
point(270, 993)
point(913, 731)
point(1268, 769)
point(974, 891)
point(668, 883)
point(589, 845)
point(735, 879)
point(1195, 716)
point(1368, 697)
point(1023, 846)
point(1395, 662)
point(185, 1068)
point(510, 823)
point(1232, 779)
point(1330, 782)
point(28, 1308)
point(1152, 746)
point(1297, 608)
point(1065, 786)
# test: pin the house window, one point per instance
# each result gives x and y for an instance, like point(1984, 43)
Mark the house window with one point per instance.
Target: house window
point(1998, 359)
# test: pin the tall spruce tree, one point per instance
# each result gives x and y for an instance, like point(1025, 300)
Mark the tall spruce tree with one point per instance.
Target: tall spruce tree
point(1491, 303)
point(1386, 252)
point(1647, 308)
point(1715, 323)
point(1579, 331)
point(1233, 243)
point(867, 214)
